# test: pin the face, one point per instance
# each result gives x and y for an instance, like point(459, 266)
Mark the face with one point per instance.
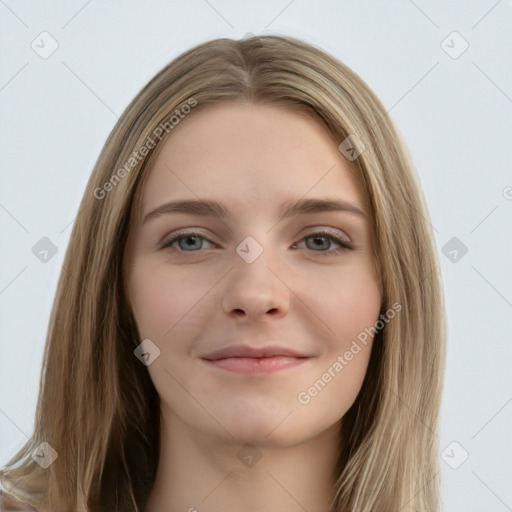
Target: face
point(295, 290)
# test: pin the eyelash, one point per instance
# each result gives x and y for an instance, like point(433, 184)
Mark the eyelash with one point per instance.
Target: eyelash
point(344, 244)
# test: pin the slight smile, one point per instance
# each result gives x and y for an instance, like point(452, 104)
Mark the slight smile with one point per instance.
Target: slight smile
point(250, 360)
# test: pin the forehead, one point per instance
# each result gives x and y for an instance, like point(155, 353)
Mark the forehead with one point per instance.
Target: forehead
point(249, 154)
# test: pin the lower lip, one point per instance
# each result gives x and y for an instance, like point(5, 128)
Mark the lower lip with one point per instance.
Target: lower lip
point(250, 365)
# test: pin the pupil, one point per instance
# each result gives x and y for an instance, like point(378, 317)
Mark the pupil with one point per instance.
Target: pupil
point(318, 240)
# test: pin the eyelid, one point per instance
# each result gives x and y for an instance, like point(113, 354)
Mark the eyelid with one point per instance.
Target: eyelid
point(328, 230)
point(341, 239)
point(176, 235)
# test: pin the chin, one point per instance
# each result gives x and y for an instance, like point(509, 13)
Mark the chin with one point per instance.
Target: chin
point(269, 430)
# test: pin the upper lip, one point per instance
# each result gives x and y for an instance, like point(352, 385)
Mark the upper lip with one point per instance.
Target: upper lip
point(254, 352)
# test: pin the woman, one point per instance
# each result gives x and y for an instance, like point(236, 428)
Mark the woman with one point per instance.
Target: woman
point(253, 372)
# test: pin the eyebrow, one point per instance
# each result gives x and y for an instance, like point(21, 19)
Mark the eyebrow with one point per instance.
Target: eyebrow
point(211, 208)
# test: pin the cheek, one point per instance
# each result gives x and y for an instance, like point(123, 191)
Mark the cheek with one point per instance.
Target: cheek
point(161, 299)
point(350, 302)
point(351, 310)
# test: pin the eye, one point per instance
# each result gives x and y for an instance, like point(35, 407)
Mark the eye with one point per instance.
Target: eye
point(319, 236)
point(191, 240)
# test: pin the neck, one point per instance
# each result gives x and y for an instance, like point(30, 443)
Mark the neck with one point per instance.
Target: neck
point(197, 473)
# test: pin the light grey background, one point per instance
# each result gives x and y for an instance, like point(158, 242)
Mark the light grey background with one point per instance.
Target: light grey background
point(453, 110)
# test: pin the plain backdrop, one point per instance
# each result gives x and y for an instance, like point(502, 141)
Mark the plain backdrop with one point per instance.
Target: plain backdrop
point(443, 71)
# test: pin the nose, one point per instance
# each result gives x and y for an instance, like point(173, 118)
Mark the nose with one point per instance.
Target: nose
point(256, 290)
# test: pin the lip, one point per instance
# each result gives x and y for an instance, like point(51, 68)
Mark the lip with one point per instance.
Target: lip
point(253, 352)
point(253, 360)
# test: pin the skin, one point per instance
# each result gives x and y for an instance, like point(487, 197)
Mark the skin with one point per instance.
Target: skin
point(200, 295)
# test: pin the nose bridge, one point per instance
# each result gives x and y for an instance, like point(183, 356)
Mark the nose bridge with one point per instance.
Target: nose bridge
point(254, 286)
point(250, 250)
point(255, 259)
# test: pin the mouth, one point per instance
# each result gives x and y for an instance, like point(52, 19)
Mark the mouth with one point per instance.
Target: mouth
point(249, 360)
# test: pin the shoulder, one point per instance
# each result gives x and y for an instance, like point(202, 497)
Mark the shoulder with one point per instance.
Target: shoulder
point(11, 500)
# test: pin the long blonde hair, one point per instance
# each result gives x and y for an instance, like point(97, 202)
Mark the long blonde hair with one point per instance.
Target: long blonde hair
point(97, 406)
